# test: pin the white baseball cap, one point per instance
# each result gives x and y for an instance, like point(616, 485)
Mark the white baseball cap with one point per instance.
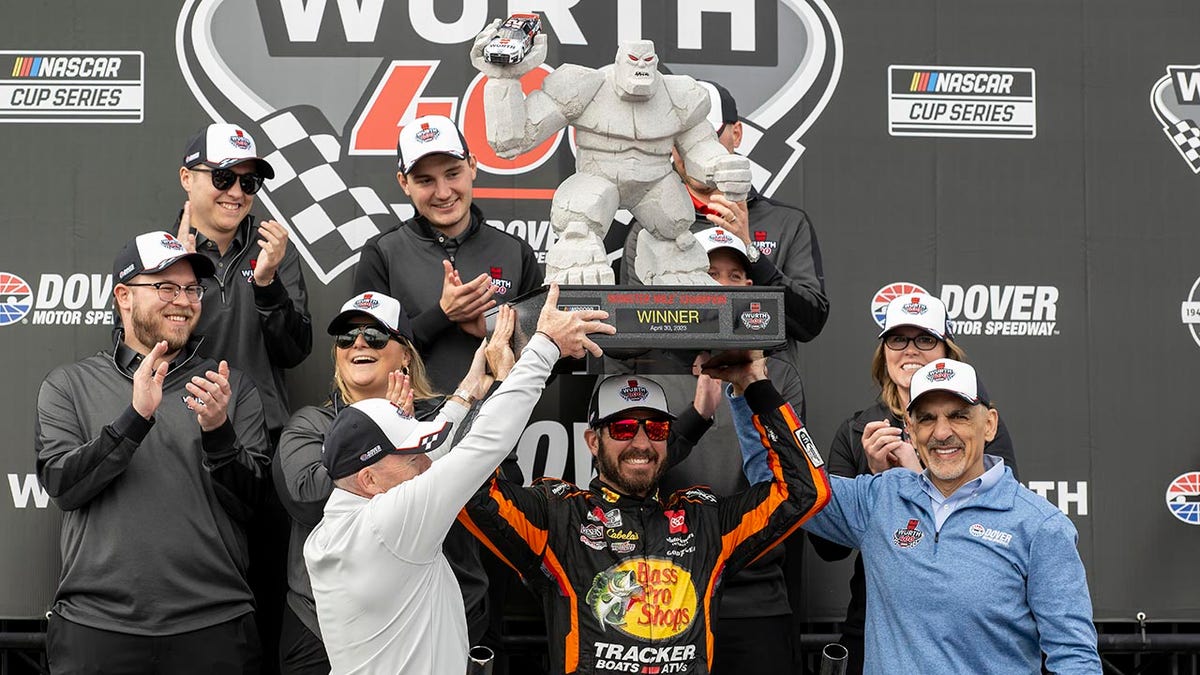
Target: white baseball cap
point(383, 308)
point(917, 309)
point(718, 237)
point(956, 377)
point(154, 252)
point(429, 135)
point(221, 146)
point(363, 433)
point(619, 393)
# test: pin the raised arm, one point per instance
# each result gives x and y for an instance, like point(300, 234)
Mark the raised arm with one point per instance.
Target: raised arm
point(516, 123)
point(413, 518)
point(757, 519)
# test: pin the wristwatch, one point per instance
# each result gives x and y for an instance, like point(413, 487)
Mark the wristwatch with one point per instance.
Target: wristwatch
point(464, 395)
point(752, 253)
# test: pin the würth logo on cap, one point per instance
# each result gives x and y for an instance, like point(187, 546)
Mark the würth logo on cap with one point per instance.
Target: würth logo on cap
point(239, 140)
point(915, 307)
point(427, 133)
point(366, 302)
point(940, 373)
point(634, 392)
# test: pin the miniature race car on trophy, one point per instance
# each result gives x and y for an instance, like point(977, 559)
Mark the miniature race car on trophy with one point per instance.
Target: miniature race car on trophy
point(627, 118)
point(513, 40)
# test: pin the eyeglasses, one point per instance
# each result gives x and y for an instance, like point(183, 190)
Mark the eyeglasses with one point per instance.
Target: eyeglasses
point(223, 179)
point(897, 342)
point(167, 291)
point(625, 430)
point(375, 338)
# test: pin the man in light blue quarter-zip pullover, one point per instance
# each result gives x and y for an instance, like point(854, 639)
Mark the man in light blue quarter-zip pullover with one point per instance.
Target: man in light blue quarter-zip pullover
point(967, 570)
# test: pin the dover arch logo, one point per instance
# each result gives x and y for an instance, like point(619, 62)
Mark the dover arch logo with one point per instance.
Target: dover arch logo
point(324, 88)
point(1183, 497)
point(16, 298)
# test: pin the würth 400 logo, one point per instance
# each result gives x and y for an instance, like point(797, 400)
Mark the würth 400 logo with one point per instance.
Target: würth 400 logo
point(1175, 100)
point(337, 80)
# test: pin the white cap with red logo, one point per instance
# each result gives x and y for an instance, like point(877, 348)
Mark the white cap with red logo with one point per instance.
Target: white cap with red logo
point(429, 135)
point(917, 309)
point(949, 375)
point(619, 393)
point(383, 308)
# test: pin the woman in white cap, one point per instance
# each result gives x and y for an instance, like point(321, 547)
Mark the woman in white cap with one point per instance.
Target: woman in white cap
point(915, 332)
point(373, 357)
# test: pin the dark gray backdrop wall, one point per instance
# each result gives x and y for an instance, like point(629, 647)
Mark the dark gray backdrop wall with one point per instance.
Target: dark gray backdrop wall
point(1050, 202)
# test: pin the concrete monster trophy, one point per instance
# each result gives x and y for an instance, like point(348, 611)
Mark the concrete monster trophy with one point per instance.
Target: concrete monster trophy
point(627, 118)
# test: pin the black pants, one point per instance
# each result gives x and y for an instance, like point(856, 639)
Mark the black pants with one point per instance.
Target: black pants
point(301, 652)
point(230, 647)
point(761, 645)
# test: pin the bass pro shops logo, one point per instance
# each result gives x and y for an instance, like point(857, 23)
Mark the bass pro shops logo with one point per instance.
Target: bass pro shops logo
point(324, 88)
point(1175, 100)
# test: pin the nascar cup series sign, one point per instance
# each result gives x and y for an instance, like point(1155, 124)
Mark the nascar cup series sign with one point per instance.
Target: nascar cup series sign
point(961, 102)
point(325, 87)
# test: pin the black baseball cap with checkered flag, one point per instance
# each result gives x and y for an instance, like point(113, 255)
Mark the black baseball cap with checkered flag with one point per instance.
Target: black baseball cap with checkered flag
point(366, 431)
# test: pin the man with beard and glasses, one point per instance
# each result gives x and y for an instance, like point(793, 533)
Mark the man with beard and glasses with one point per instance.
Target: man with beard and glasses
point(629, 577)
point(156, 457)
point(967, 570)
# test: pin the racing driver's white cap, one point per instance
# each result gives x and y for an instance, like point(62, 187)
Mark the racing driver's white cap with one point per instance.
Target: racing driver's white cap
point(429, 135)
point(619, 393)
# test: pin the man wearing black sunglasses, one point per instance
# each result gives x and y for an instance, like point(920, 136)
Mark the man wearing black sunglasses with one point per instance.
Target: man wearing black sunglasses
point(629, 575)
point(155, 456)
point(255, 313)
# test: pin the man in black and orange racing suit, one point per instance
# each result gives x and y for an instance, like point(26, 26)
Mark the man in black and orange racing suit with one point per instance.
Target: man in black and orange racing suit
point(630, 581)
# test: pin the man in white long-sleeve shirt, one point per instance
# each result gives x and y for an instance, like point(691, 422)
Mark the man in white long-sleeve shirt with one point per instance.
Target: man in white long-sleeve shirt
point(386, 598)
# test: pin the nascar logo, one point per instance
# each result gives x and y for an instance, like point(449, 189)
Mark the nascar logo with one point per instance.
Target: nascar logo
point(66, 66)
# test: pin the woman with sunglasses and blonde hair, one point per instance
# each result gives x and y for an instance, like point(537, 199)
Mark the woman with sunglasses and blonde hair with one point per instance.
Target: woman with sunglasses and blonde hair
point(373, 357)
point(915, 332)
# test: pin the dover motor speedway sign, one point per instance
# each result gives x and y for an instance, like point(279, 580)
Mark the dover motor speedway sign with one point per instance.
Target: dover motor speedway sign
point(325, 86)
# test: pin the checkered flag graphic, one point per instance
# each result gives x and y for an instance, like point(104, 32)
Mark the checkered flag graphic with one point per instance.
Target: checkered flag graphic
point(1186, 137)
point(432, 441)
point(332, 220)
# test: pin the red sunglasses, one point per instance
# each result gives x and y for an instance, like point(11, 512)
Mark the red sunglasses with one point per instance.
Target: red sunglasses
point(625, 430)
